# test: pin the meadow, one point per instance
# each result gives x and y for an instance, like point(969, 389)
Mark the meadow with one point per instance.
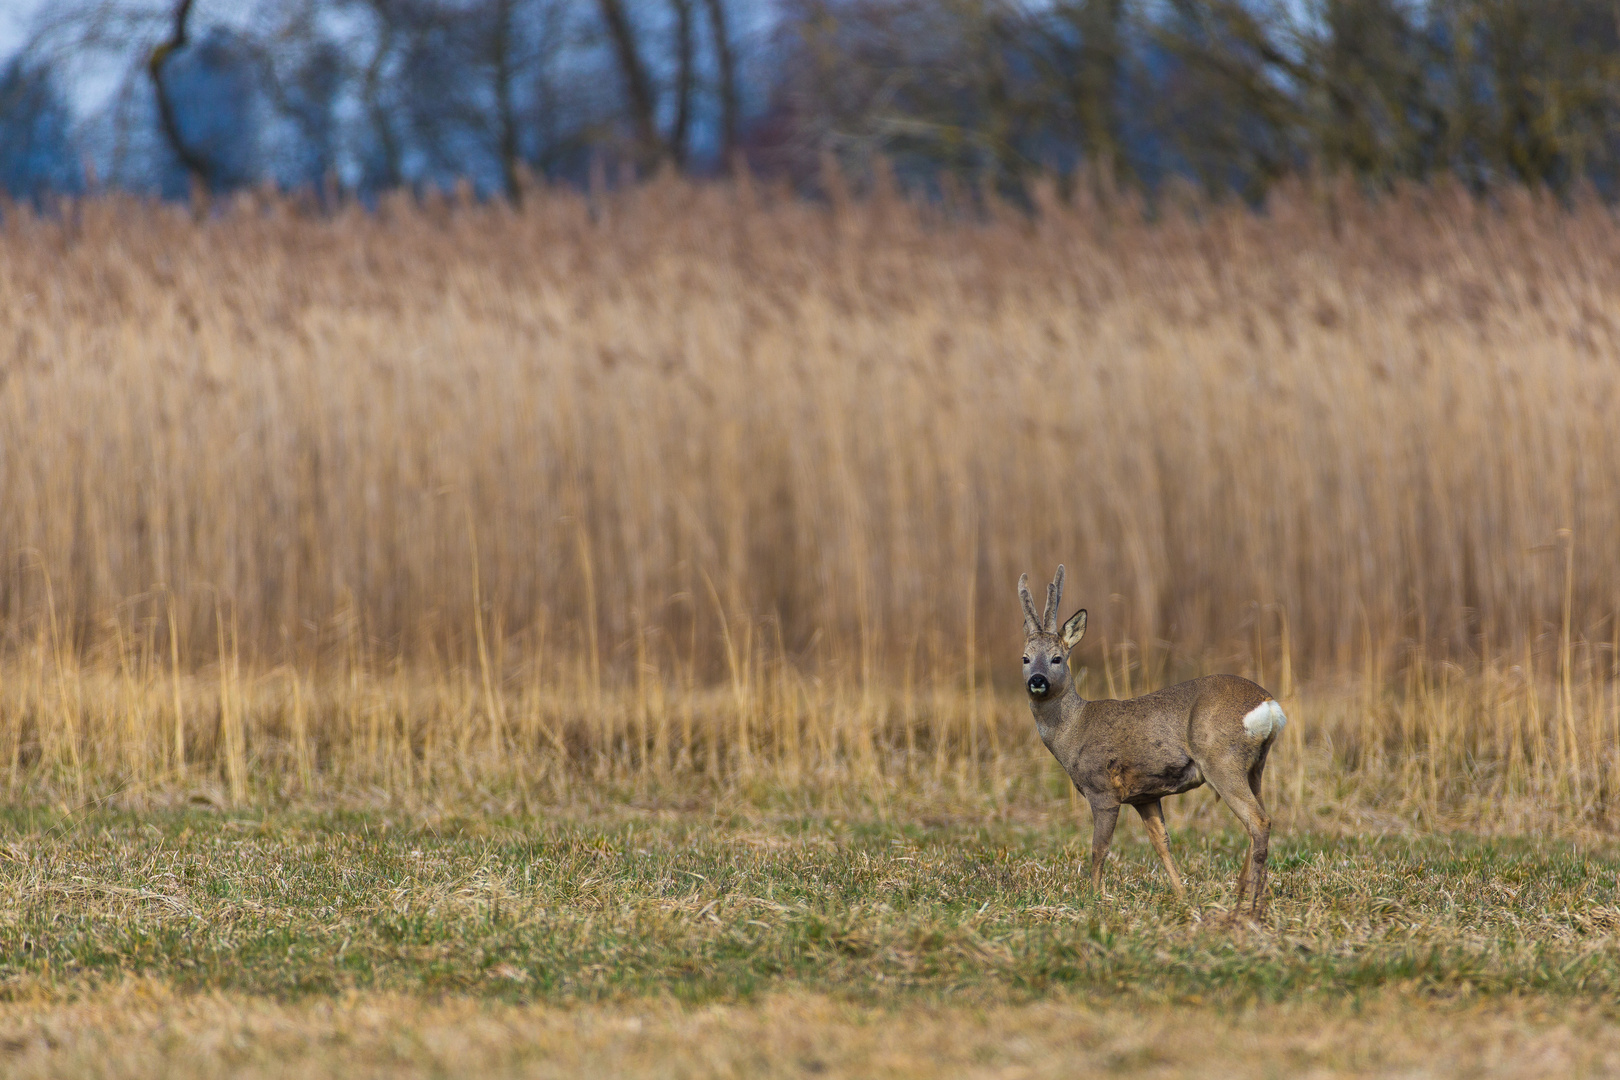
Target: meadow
point(740, 943)
point(617, 596)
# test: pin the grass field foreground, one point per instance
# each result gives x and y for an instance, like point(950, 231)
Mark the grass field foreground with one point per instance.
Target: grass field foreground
point(304, 933)
point(143, 1029)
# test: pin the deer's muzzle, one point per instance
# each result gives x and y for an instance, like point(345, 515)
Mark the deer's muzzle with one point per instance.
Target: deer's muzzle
point(1038, 686)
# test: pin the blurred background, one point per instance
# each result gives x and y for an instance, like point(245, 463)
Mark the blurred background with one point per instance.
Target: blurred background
point(361, 96)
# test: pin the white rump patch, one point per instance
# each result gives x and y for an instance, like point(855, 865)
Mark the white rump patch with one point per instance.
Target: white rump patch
point(1264, 720)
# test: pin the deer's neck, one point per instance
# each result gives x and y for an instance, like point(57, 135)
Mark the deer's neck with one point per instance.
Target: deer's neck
point(1061, 719)
point(1061, 725)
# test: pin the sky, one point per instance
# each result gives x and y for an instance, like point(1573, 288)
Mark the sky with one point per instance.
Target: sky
point(15, 15)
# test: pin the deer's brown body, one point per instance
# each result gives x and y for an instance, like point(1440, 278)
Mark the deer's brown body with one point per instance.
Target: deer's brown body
point(1216, 730)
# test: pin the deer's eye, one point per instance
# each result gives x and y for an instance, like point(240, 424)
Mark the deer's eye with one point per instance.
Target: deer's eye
point(1057, 659)
point(1026, 659)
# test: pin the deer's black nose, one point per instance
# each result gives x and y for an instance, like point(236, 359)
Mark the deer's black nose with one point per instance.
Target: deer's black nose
point(1038, 686)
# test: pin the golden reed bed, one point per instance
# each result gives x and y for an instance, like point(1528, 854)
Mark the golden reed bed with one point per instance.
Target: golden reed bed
point(705, 483)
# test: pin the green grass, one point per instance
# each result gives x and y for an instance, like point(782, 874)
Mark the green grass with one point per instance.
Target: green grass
point(700, 910)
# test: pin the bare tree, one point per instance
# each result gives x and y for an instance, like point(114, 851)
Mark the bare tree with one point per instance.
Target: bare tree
point(726, 63)
point(1236, 110)
point(638, 85)
point(195, 164)
point(379, 116)
point(501, 50)
point(685, 74)
point(1081, 54)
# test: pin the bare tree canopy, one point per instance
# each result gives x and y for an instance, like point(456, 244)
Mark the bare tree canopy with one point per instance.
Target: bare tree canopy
point(1230, 95)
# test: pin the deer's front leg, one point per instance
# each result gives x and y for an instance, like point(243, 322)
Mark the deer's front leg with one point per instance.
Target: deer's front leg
point(1103, 820)
point(1153, 817)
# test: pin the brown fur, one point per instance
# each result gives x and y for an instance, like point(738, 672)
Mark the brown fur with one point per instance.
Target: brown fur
point(1136, 752)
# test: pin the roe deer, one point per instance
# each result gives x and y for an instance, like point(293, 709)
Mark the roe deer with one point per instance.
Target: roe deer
point(1217, 729)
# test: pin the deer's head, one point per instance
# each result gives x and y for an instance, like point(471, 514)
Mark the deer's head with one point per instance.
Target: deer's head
point(1046, 645)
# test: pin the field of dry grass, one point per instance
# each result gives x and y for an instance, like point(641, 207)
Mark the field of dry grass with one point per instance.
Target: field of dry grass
point(700, 484)
point(702, 500)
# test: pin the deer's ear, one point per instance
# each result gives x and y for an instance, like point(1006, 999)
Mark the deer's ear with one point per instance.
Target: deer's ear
point(1074, 629)
point(1031, 624)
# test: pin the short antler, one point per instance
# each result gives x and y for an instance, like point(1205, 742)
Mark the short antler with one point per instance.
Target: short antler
point(1054, 597)
point(1031, 624)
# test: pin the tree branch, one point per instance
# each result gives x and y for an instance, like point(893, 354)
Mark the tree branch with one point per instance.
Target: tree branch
point(726, 60)
point(506, 119)
point(684, 76)
point(195, 164)
point(637, 83)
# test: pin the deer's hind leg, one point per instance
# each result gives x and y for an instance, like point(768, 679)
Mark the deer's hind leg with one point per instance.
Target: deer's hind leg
point(1233, 785)
point(1153, 818)
point(1258, 869)
point(1257, 773)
